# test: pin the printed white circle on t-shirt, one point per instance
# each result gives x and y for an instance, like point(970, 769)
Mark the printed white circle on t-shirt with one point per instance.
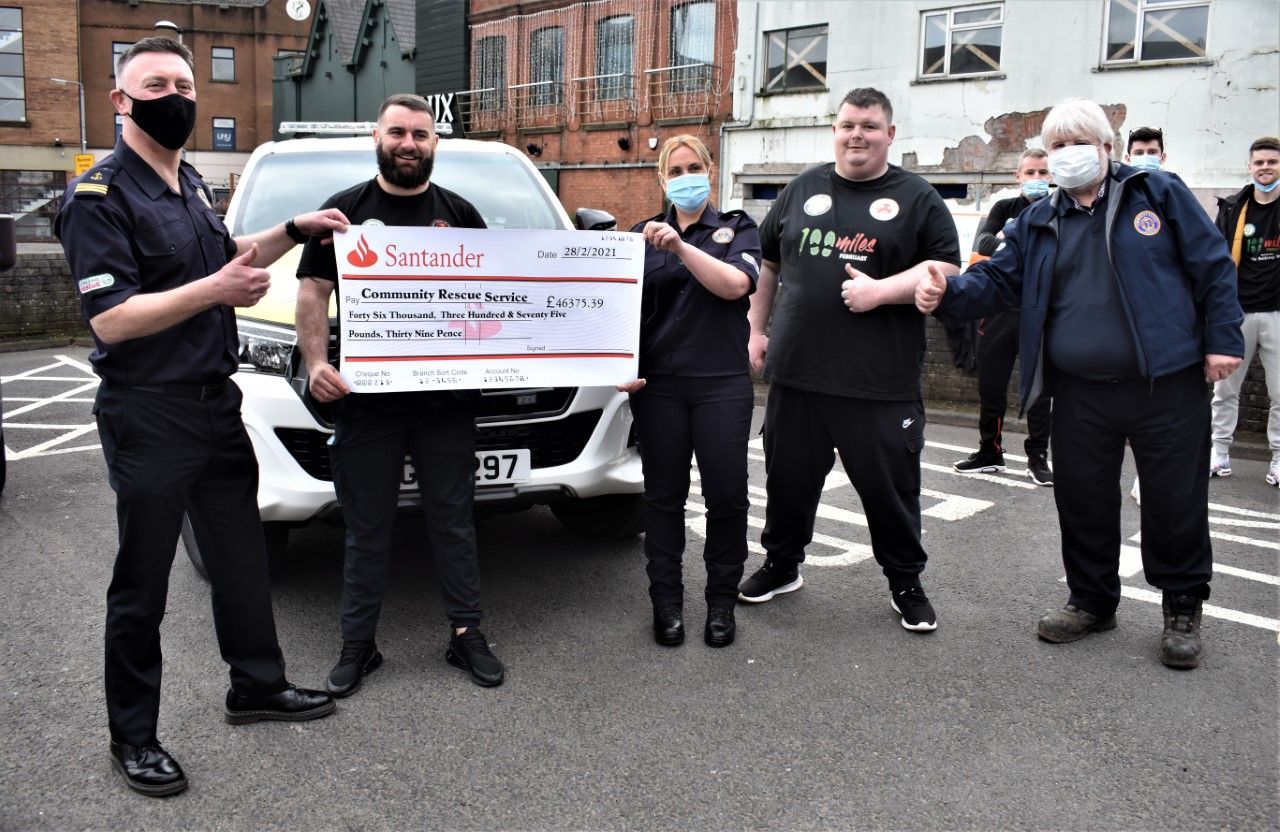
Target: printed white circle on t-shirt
point(817, 205)
point(373, 221)
point(1249, 229)
point(884, 209)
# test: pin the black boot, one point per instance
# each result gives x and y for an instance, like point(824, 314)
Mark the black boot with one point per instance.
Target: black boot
point(1180, 644)
point(668, 625)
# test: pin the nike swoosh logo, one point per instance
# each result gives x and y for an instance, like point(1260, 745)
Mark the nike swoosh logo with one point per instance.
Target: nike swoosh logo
point(906, 423)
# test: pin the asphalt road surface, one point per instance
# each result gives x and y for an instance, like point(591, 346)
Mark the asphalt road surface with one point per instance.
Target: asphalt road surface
point(825, 714)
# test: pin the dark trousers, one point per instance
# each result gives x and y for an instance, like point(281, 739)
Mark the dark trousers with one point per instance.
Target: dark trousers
point(997, 351)
point(1166, 422)
point(676, 419)
point(166, 456)
point(879, 444)
point(368, 453)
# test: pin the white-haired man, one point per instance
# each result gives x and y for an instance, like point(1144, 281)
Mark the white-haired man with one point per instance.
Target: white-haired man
point(1128, 304)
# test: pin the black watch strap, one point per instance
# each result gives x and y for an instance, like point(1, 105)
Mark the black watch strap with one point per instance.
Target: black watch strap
point(295, 233)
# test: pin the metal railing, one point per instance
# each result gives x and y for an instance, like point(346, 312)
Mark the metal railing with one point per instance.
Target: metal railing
point(683, 92)
point(483, 110)
point(538, 104)
point(605, 99)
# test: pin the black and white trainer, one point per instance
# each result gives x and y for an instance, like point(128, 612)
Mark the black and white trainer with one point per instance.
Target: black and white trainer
point(1039, 471)
point(916, 611)
point(980, 463)
point(770, 580)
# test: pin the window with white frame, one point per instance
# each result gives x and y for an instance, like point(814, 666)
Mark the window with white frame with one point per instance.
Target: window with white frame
point(490, 75)
point(224, 63)
point(796, 59)
point(117, 49)
point(961, 41)
point(1141, 31)
point(13, 82)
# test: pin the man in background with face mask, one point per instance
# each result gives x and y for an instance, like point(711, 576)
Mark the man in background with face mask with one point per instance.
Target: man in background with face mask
point(998, 342)
point(375, 431)
point(158, 274)
point(1128, 305)
point(1146, 149)
point(1250, 221)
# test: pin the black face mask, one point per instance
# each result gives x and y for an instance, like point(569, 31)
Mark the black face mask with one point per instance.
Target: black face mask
point(168, 119)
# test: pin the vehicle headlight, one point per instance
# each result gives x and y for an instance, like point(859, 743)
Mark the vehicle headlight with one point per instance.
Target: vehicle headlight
point(265, 348)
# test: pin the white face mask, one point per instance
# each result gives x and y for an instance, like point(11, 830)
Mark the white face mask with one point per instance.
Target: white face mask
point(1075, 166)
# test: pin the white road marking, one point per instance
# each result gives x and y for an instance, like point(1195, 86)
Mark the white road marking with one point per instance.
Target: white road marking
point(1258, 621)
point(1244, 512)
point(56, 445)
point(1248, 541)
point(996, 478)
point(953, 507)
point(966, 450)
point(1244, 524)
point(37, 450)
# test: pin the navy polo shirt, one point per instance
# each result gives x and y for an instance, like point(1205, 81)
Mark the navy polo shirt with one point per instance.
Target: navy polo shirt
point(125, 233)
point(685, 330)
point(1087, 332)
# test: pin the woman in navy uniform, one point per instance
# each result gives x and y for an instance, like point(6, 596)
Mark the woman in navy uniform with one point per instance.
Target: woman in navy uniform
point(694, 394)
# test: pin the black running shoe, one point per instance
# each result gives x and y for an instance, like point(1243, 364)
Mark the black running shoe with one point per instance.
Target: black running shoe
point(916, 611)
point(1039, 471)
point(980, 463)
point(768, 581)
point(470, 652)
point(358, 659)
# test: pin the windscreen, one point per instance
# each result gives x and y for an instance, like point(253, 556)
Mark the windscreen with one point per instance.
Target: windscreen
point(505, 192)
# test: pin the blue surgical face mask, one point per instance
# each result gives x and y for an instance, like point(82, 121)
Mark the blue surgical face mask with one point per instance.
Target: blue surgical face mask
point(1266, 189)
point(1033, 189)
point(1145, 162)
point(689, 192)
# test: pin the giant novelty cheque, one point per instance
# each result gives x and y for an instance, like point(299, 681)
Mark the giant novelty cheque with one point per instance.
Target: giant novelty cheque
point(454, 308)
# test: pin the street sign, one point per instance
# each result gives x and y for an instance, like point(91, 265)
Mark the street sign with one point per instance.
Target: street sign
point(84, 161)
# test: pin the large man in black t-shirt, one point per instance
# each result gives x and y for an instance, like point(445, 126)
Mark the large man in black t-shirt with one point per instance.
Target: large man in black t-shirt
point(843, 247)
point(375, 431)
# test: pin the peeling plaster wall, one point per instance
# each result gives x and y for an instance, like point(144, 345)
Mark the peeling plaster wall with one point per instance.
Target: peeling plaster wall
point(1050, 51)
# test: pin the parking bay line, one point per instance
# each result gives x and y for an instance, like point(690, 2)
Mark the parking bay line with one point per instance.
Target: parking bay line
point(1258, 621)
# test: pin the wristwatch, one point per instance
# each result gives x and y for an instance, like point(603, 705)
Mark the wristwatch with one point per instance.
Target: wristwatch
point(295, 233)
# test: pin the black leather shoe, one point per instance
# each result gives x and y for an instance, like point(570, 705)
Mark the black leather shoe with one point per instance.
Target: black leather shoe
point(289, 705)
point(721, 627)
point(470, 652)
point(358, 659)
point(668, 626)
point(148, 769)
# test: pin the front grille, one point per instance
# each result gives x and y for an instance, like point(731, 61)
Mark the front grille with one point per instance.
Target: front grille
point(557, 442)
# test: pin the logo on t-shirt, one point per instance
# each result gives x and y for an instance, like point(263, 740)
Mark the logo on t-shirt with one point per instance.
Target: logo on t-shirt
point(817, 205)
point(1249, 229)
point(884, 209)
point(373, 221)
point(362, 257)
point(440, 224)
point(95, 282)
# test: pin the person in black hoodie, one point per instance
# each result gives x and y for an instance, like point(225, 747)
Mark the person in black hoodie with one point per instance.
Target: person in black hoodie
point(998, 342)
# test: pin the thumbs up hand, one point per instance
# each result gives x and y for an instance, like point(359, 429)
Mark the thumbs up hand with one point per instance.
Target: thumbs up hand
point(930, 289)
point(239, 283)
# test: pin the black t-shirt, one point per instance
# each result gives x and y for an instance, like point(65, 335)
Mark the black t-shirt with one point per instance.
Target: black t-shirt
point(1259, 280)
point(369, 204)
point(685, 330)
point(1002, 213)
point(881, 227)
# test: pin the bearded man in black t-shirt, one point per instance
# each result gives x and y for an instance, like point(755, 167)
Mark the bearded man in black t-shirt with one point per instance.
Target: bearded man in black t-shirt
point(834, 332)
point(375, 431)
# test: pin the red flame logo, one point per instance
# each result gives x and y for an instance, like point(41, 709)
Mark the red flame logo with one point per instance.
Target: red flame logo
point(362, 257)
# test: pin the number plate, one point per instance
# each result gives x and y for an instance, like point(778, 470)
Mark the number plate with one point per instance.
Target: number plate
point(492, 468)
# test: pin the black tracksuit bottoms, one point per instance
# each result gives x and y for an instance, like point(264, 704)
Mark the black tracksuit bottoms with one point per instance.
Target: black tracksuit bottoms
point(997, 351)
point(167, 456)
point(368, 452)
point(1166, 422)
point(879, 444)
point(678, 417)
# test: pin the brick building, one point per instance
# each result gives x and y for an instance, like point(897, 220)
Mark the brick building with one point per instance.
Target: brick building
point(234, 43)
point(590, 90)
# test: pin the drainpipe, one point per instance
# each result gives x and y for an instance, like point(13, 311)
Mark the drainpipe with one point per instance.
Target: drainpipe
point(726, 127)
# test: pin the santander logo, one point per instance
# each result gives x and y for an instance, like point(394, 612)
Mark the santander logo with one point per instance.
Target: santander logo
point(362, 257)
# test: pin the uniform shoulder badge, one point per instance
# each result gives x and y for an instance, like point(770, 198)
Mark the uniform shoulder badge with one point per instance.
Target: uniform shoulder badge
point(723, 235)
point(94, 183)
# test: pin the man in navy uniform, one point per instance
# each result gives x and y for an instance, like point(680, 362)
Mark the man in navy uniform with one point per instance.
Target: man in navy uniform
point(158, 274)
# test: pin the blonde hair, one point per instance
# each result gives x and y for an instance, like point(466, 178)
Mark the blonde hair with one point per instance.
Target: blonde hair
point(683, 140)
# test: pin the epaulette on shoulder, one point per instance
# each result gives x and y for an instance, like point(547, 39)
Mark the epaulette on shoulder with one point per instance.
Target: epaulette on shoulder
point(737, 212)
point(94, 183)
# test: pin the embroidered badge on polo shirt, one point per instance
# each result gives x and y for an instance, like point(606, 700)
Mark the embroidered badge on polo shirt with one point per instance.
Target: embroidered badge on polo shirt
point(94, 282)
point(722, 235)
point(1146, 223)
